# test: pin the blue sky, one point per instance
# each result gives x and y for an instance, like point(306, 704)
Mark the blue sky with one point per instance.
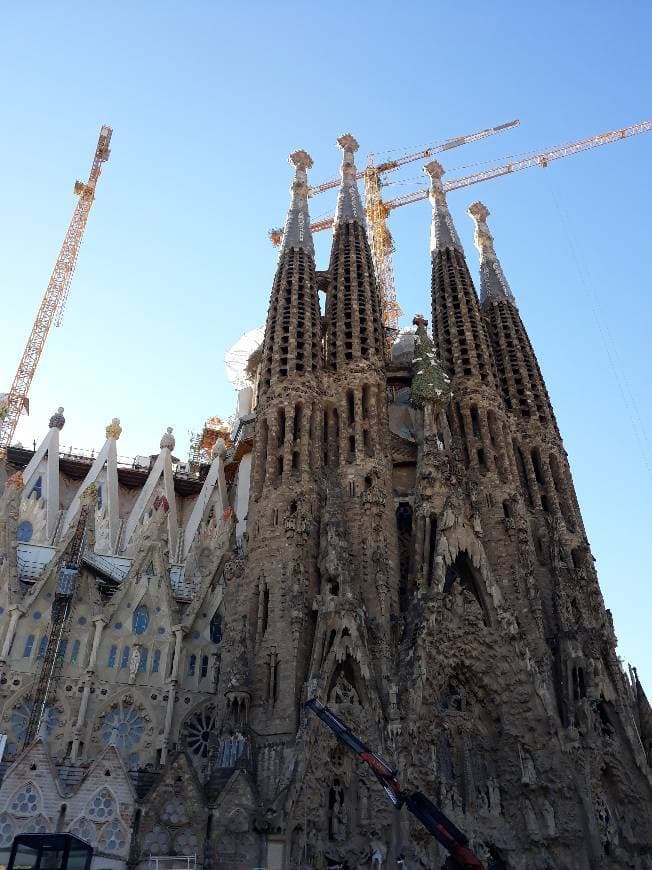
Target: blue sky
point(207, 100)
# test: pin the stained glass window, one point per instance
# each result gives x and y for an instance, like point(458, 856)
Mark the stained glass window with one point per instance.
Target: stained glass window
point(128, 726)
point(61, 650)
point(216, 628)
point(156, 661)
point(157, 841)
point(198, 730)
point(24, 531)
point(124, 661)
point(25, 801)
point(140, 619)
point(113, 837)
point(102, 806)
point(29, 644)
point(113, 652)
point(74, 655)
point(204, 666)
point(42, 647)
point(6, 829)
point(142, 665)
point(20, 719)
point(99, 498)
point(192, 665)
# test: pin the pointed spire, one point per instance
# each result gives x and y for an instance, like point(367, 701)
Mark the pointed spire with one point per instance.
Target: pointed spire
point(493, 283)
point(442, 233)
point(297, 226)
point(349, 204)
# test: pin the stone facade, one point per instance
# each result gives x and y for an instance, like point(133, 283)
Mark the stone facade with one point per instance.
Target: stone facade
point(408, 547)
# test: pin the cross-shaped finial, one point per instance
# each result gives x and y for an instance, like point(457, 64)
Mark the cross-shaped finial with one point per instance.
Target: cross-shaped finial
point(419, 320)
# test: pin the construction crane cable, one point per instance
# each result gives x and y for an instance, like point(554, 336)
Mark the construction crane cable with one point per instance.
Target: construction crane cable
point(618, 369)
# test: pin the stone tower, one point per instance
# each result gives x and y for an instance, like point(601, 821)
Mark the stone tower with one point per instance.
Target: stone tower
point(394, 531)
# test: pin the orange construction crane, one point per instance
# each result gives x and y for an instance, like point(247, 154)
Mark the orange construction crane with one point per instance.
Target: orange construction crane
point(377, 210)
point(380, 238)
point(54, 299)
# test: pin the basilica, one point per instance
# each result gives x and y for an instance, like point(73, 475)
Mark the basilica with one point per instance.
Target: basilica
point(390, 525)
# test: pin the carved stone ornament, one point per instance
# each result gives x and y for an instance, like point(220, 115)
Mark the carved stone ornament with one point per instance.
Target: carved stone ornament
point(57, 420)
point(114, 429)
point(168, 440)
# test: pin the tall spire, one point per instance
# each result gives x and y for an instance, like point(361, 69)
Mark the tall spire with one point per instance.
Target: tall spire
point(292, 344)
point(349, 205)
point(442, 233)
point(297, 226)
point(492, 278)
point(353, 310)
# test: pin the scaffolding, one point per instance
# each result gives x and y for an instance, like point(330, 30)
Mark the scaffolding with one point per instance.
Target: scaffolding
point(46, 683)
point(202, 443)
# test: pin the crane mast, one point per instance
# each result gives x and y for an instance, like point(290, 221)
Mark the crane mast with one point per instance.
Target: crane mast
point(54, 298)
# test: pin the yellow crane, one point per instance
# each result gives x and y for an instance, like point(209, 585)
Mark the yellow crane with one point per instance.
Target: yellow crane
point(380, 238)
point(378, 211)
point(54, 298)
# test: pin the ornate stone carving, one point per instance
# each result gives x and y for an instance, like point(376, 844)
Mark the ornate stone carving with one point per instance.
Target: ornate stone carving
point(114, 429)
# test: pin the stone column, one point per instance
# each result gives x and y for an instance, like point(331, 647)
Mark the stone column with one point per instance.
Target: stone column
point(172, 688)
point(16, 613)
point(99, 623)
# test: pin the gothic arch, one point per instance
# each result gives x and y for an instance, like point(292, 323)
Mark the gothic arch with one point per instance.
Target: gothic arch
point(102, 805)
point(198, 731)
point(346, 684)
point(461, 573)
point(26, 800)
point(114, 837)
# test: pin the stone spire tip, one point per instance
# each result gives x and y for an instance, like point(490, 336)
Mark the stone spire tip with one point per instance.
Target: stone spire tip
point(297, 225)
point(478, 211)
point(435, 170)
point(349, 205)
point(300, 160)
point(347, 142)
point(442, 233)
point(493, 283)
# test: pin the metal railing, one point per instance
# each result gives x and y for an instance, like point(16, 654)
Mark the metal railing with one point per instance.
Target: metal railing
point(172, 862)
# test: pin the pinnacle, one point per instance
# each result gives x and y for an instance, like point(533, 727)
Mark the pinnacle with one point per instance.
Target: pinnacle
point(297, 232)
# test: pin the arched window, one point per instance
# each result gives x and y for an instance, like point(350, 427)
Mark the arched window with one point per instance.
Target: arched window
point(142, 665)
point(204, 666)
point(216, 628)
point(29, 644)
point(140, 619)
point(42, 647)
point(24, 532)
point(74, 655)
point(192, 665)
point(113, 653)
point(124, 662)
point(156, 661)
